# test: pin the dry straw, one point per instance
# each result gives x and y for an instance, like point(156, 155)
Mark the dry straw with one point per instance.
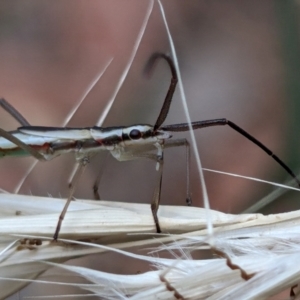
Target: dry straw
point(255, 256)
point(252, 256)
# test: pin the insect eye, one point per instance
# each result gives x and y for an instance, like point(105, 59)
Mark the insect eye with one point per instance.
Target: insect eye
point(135, 134)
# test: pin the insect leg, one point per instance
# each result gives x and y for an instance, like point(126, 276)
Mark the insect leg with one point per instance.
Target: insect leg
point(143, 152)
point(178, 143)
point(22, 145)
point(13, 112)
point(96, 185)
point(82, 165)
point(157, 192)
point(17, 115)
point(160, 161)
point(98, 179)
point(174, 79)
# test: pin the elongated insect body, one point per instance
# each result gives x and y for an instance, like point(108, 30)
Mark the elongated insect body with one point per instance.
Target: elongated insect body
point(33, 140)
point(124, 143)
point(40, 143)
point(51, 142)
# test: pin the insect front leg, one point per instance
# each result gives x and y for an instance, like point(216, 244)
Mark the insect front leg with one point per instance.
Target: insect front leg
point(123, 154)
point(157, 193)
point(160, 161)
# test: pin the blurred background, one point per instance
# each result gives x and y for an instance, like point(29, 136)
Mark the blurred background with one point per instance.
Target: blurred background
point(239, 60)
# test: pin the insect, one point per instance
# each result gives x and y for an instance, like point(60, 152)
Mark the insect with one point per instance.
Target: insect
point(124, 143)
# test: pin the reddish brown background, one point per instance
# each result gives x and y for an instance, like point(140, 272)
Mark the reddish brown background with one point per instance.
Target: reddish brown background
point(231, 55)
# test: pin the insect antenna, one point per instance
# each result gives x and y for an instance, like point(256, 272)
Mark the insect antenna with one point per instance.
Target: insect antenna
point(222, 122)
point(194, 125)
point(168, 99)
point(161, 118)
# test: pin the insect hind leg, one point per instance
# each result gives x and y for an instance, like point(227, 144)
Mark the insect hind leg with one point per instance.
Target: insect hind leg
point(13, 112)
point(81, 167)
point(7, 135)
